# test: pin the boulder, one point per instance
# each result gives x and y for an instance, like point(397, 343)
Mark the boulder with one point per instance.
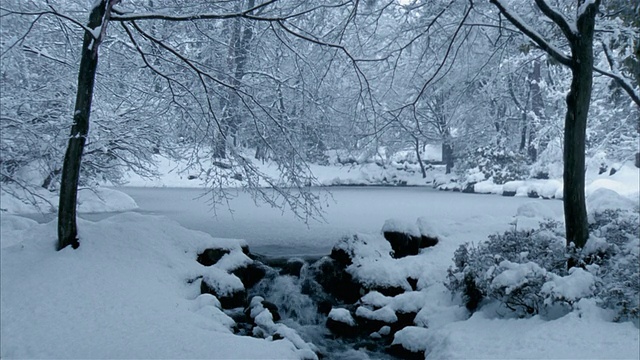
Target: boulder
point(259, 304)
point(341, 255)
point(336, 281)
point(508, 193)
point(400, 352)
point(292, 267)
point(251, 274)
point(232, 300)
point(211, 256)
point(403, 244)
point(469, 188)
point(341, 323)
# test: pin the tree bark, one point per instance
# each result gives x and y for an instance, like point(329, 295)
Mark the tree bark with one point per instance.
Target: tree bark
point(537, 105)
point(575, 126)
point(447, 156)
point(67, 228)
point(422, 169)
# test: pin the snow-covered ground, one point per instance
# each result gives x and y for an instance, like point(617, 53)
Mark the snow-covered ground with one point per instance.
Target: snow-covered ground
point(125, 292)
point(122, 294)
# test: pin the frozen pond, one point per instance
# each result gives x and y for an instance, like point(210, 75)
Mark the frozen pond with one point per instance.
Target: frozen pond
point(270, 231)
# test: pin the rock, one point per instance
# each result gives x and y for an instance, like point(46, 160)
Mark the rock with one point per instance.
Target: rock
point(409, 343)
point(413, 282)
point(429, 232)
point(336, 281)
point(292, 267)
point(469, 188)
point(403, 244)
point(259, 304)
point(404, 320)
point(388, 290)
point(324, 307)
point(211, 256)
point(273, 309)
point(341, 323)
point(228, 301)
point(251, 274)
point(400, 352)
point(428, 241)
point(341, 256)
point(508, 193)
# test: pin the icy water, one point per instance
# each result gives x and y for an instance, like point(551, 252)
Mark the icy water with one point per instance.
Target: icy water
point(274, 232)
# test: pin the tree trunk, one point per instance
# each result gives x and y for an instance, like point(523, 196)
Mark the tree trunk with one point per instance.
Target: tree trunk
point(422, 169)
point(575, 125)
point(537, 105)
point(447, 156)
point(67, 228)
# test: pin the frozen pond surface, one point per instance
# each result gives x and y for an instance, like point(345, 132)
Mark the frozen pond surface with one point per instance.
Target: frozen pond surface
point(270, 231)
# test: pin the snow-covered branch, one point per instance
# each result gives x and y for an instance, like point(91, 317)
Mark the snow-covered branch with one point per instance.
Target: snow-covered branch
point(518, 22)
point(567, 28)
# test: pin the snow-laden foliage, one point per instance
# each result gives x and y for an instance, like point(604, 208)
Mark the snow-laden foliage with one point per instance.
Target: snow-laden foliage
point(496, 162)
point(617, 261)
point(510, 267)
point(526, 271)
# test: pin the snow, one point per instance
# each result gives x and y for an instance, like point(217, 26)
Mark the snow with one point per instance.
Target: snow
point(577, 335)
point(397, 225)
point(605, 199)
point(515, 275)
point(39, 200)
point(533, 209)
point(342, 315)
point(412, 338)
point(384, 314)
point(577, 285)
point(122, 294)
point(129, 290)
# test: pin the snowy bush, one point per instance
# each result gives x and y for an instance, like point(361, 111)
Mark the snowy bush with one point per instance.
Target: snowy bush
point(498, 163)
point(616, 261)
point(526, 271)
point(510, 267)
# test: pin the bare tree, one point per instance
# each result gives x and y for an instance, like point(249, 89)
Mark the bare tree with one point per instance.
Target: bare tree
point(580, 36)
point(93, 36)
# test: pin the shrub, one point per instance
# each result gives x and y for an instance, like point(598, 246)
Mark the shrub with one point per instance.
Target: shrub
point(498, 163)
point(525, 271)
point(616, 261)
point(510, 268)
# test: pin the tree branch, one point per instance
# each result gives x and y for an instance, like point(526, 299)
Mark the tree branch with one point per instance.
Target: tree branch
point(518, 22)
point(569, 31)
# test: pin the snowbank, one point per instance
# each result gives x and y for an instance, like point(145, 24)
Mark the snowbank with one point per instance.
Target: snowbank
point(127, 292)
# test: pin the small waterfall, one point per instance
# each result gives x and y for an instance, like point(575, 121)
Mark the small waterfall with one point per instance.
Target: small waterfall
point(303, 306)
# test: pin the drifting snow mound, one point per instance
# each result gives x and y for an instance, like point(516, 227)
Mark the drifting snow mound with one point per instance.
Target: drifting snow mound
point(605, 199)
point(535, 209)
point(127, 292)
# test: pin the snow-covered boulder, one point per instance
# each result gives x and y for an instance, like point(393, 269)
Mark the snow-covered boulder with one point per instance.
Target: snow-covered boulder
point(407, 239)
point(410, 343)
point(341, 323)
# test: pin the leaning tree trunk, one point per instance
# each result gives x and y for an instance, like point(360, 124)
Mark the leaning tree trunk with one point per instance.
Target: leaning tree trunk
point(67, 228)
point(575, 126)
